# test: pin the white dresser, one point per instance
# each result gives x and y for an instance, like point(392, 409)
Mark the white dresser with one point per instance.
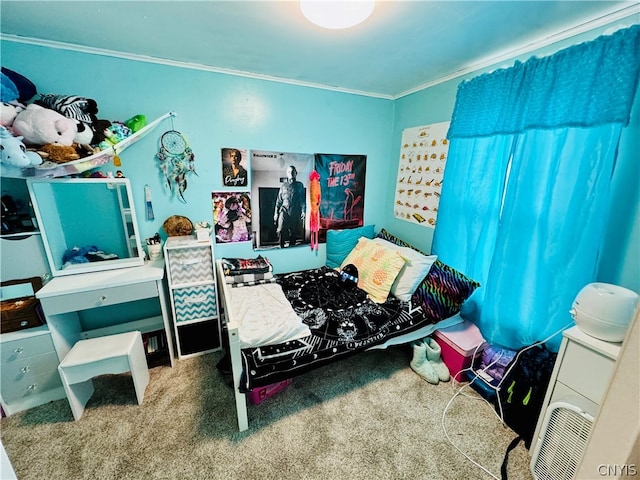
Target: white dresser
point(29, 368)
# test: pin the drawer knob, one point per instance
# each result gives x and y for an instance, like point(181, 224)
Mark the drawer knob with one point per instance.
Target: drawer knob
point(25, 369)
point(103, 298)
point(32, 387)
point(18, 350)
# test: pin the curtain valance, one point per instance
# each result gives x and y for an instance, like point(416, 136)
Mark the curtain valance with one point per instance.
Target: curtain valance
point(585, 85)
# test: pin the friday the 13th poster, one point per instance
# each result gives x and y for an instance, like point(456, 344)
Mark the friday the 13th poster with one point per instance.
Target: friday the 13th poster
point(342, 178)
point(423, 155)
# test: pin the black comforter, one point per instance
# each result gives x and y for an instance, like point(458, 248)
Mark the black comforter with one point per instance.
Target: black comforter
point(342, 322)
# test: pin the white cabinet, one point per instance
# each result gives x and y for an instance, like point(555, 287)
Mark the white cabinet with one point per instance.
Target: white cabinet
point(581, 374)
point(29, 368)
point(192, 287)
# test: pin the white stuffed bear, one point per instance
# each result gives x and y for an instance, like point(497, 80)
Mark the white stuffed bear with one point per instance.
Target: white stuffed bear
point(14, 156)
point(39, 126)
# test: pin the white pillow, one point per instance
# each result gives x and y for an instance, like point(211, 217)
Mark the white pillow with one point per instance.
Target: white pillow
point(416, 267)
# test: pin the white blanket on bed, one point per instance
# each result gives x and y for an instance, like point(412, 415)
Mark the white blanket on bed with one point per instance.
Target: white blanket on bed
point(265, 316)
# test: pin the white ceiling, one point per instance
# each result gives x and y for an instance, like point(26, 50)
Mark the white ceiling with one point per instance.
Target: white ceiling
point(402, 47)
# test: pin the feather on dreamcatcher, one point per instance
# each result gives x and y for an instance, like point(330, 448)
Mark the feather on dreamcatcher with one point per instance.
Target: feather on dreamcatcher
point(177, 160)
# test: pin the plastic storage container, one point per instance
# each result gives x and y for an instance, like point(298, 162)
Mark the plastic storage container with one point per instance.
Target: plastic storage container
point(260, 394)
point(458, 344)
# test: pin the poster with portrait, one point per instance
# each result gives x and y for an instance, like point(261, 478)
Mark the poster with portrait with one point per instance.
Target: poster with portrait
point(234, 167)
point(279, 183)
point(342, 180)
point(423, 155)
point(231, 217)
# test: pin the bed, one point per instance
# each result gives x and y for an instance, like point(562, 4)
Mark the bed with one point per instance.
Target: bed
point(282, 326)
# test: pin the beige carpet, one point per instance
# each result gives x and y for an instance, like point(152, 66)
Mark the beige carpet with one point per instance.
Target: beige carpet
point(369, 417)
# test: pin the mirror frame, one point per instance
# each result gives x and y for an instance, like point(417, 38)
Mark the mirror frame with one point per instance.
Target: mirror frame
point(51, 230)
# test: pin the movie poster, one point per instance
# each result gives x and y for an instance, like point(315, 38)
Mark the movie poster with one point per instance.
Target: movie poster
point(232, 217)
point(234, 170)
point(423, 156)
point(279, 185)
point(342, 180)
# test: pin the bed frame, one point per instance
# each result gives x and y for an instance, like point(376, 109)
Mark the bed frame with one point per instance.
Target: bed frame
point(235, 354)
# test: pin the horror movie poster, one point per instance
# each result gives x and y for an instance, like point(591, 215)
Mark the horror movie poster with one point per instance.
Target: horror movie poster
point(279, 193)
point(342, 179)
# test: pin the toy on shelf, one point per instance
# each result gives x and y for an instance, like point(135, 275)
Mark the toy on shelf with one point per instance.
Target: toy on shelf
point(50, 169)
point(13, 154)
point(39, 126)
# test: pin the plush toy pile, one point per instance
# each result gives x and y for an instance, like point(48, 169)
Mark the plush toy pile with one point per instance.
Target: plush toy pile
point(54, 128)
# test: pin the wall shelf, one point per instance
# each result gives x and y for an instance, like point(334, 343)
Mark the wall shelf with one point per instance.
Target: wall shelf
point(50, 169)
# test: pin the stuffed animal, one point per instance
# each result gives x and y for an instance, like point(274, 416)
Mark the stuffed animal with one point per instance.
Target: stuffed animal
point(40, 126)
point(84, 134)
point(8, 113)
point(59, 153)
point(82, 110)
point(117, 132)
point(22, 88)
point(71, 106)
point(113, 134)
point(99, 127)
point(136, 123)
point(14, 156)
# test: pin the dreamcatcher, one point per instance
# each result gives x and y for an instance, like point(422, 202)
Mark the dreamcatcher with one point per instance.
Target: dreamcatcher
point(177, 160)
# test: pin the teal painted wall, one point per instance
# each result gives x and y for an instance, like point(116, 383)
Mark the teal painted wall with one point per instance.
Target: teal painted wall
point(216, 111)
point(620, 258)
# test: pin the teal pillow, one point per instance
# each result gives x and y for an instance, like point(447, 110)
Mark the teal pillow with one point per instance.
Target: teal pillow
point(341, 242)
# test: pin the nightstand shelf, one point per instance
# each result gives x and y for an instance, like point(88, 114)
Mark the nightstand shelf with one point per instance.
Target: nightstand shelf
point(194, 298)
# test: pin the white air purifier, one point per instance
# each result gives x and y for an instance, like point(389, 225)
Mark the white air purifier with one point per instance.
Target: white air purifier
point(563, 439)
point(604, 311)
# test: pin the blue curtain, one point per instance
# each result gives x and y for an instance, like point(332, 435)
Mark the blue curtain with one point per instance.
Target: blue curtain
point(472, 192)
point(526, 186)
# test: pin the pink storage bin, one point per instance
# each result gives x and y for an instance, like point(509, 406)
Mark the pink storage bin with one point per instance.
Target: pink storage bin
point(260, 394)
point(458, 344)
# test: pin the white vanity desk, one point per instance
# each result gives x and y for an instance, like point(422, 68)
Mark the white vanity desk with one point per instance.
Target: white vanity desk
point(63, 297)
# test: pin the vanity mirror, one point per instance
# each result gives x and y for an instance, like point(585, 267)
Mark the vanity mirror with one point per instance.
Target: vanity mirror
point(87, 224)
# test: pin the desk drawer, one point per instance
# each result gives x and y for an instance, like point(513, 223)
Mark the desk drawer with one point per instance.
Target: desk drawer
point(101, 297)
point(586, 371)
point(18, 350)
point(30, 376)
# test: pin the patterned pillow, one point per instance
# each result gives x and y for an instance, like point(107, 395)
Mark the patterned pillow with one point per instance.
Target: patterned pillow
point(341, 242)
point(444, 289)
point(377, 267)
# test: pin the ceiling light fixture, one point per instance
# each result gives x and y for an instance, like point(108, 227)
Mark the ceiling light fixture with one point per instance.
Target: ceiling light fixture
point(335, 14)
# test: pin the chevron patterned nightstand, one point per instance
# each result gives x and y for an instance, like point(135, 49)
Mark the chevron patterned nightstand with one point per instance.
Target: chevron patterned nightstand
point(191, 278)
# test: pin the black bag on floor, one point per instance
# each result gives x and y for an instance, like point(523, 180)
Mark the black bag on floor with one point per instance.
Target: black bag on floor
point(521, 393)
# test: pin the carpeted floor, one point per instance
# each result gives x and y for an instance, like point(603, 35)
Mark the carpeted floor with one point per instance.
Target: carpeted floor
point(369, 417)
